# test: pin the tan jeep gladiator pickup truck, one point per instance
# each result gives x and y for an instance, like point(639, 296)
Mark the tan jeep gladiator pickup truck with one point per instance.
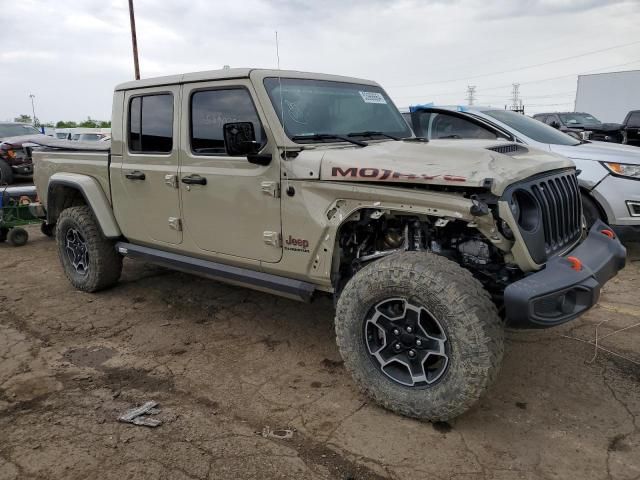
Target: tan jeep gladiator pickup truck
point(305, 184)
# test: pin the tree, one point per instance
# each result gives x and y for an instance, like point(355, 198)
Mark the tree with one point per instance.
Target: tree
point(104, 124)
point(23, 119)
point(63, 124)
point(89, 123)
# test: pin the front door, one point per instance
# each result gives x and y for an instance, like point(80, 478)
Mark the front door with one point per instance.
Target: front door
point(146, 198)
point(230, 206)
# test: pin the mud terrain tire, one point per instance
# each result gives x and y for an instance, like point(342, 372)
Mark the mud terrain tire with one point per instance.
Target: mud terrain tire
point(89, 260)
point(444, 291)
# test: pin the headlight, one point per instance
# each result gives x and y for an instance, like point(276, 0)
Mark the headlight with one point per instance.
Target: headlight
point(623, 169)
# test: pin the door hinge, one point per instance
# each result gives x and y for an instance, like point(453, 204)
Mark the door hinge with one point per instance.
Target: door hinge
point(272, 238)
point(171, 180)
point(270, 188)
point(175, 223)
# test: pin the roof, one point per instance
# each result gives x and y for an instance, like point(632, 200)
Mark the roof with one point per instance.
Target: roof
point(232, 73)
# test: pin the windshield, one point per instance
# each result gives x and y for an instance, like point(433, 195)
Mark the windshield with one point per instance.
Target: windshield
point(570, 119)
point(315, 107)
point(89, 137)
point(531, 128)
point(17, 130)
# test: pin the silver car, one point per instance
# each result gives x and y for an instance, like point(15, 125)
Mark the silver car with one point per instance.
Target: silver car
point(609, 173)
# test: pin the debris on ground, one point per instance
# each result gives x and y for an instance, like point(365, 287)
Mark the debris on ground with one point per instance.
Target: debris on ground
point(282, 434)
point(138, 415)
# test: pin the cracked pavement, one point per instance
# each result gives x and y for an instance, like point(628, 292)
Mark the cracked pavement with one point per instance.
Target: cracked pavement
point(224, 363)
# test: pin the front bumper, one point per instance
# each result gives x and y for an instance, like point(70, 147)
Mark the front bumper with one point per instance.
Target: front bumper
point(562, 292)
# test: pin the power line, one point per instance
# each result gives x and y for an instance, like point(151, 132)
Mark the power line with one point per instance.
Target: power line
point(519, 68)
point(531, 82)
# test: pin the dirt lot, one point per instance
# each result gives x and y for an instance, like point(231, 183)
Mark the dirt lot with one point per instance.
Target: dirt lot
point(227, 365)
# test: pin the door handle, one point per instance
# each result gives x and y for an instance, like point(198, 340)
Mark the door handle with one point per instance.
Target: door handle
point(194, 180)
point(136, 175)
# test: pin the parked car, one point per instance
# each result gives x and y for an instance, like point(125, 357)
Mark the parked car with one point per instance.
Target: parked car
point(609, 174)
point(306, 184)
point(15, 152)
point(586, 126)
point(631, 128)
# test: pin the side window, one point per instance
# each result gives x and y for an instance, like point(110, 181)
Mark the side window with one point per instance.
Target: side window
point(450, 126)
point(541, 118)
point(151, 123)
point(634, 120)
point(211, 109)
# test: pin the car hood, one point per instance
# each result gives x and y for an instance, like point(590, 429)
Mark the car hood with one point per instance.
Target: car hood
point(22, 139)
point(466, 163)
point(600, 151)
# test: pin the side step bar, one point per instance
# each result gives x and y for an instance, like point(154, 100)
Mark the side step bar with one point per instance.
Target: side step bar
point(266, 282)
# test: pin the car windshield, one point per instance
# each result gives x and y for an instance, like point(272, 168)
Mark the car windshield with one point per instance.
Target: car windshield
point(328, 108)
point(570, 119)
point(17, 130)
point(89, 137)
point(531, 128)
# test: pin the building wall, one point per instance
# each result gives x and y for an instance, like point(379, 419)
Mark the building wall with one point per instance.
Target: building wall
point(609, 96)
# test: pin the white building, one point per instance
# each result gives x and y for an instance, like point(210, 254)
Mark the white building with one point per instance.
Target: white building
point(609, 96)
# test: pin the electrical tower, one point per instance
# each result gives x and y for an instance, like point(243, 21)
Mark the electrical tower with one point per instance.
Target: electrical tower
point(471, 93)
point(516, 101)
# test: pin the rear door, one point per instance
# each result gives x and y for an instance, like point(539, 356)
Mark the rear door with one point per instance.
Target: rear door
point(145, 190)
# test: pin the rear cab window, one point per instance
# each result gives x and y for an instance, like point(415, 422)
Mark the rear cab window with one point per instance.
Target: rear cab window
point(150, 128)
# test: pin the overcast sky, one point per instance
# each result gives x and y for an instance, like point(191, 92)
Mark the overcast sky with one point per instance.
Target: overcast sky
point(70, 53)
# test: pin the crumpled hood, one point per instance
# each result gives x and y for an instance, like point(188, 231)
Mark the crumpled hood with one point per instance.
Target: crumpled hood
point(22, 139)
point(440, 162)
point(600, 151)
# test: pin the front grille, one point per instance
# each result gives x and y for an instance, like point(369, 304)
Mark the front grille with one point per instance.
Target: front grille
point(559, 217)
point(509, 149)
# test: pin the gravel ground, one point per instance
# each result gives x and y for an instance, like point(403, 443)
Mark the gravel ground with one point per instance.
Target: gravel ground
point(233, 370)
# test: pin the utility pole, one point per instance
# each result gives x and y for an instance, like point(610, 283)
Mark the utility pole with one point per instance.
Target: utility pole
point(471, 91)
point(134, 40)
point(33, 109)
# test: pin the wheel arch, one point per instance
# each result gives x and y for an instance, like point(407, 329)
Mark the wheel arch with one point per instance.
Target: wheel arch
point(598, 202)
point(67, 189)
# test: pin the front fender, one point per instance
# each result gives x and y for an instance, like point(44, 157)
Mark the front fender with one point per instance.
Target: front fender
point(93, 195)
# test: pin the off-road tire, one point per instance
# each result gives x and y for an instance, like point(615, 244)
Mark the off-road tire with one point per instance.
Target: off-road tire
point(6, 174)
point(4, 231)
point(461, 305)
point(17, 237)
point(47, 229)
point(591, 211)
point(104, 263)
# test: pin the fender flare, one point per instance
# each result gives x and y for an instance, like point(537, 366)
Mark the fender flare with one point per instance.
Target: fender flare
point(94, 197)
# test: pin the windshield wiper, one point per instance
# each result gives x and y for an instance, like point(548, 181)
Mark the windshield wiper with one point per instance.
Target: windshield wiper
point(455, 135)
point(328, 136)
point(370, 133)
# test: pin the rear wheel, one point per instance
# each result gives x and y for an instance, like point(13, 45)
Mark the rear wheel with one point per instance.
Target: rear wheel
point(420, 335)
point(18, 237)
point(89, 260)
point(3, 234)
point(6, 174)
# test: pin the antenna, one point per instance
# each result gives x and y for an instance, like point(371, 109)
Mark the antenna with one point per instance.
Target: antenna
point(277, 50)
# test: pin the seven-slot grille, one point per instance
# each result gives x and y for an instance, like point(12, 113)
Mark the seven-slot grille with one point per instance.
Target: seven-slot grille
point(559, 200)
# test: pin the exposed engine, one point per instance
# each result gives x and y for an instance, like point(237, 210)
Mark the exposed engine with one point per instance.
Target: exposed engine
point(372, 234)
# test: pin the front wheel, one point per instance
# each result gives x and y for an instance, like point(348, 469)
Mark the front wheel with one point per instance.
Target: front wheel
point(419, 335)
point(89, 260)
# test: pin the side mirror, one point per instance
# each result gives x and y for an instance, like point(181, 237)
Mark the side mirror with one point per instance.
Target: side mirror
point(240, 139)
point(555, 124)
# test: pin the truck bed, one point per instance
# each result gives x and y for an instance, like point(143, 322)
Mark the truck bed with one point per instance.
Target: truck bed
point(93, 161)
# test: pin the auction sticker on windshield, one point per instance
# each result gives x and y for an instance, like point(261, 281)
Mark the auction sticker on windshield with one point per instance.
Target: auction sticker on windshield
point(372, 97)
